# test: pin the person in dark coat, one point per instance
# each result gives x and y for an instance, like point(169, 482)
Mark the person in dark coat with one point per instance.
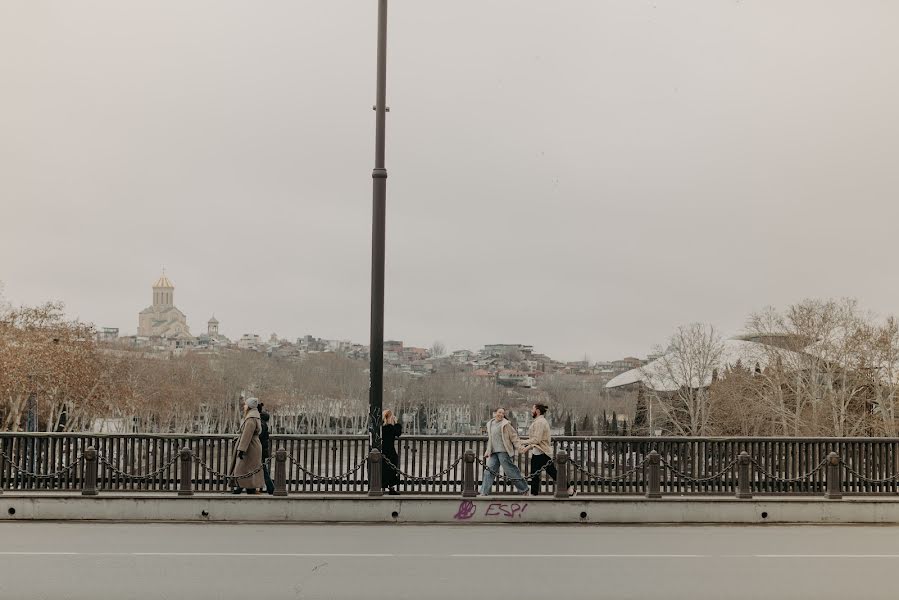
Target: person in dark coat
point(391, 430)
point(266, 452)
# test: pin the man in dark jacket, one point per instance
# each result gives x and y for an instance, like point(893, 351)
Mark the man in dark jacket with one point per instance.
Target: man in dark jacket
point(266, 452)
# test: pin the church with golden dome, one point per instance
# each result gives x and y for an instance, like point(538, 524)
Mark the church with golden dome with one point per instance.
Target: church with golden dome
point(162, 318)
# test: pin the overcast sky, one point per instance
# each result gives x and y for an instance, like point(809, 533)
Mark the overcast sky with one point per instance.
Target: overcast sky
point(583, 176)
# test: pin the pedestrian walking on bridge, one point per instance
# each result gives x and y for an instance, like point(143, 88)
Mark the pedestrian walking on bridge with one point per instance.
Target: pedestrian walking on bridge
point(249, 451)
point(266, 451)
point(502, 446)
point(539, 442)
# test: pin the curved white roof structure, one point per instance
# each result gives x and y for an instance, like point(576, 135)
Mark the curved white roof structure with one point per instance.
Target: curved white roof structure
point(664, 374)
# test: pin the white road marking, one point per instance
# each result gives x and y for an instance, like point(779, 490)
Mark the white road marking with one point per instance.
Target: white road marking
point(422, 555)
point(581, 555)
point(826, 555)
point(201, 554)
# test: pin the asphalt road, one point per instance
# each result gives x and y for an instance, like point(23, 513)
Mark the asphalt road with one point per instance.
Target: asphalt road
point(247, 561)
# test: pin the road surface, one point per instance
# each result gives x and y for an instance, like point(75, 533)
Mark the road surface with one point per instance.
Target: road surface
point(212, 561)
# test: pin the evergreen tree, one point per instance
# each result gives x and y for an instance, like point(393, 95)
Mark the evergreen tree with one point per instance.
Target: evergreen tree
point(568, 424)
point(641, 416)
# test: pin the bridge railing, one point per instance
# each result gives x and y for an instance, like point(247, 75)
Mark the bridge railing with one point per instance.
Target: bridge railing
point(434, 465)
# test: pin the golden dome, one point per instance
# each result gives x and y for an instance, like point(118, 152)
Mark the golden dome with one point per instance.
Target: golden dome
point(163, 282)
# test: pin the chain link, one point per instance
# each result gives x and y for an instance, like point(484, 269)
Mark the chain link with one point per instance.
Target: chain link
point(865, 478)
point(103, 461)
point(690, 479)
point(226, 476)
point(328, 478)
point(34, 475)
point(414, 479)
point(761, 469)
point(604, 479)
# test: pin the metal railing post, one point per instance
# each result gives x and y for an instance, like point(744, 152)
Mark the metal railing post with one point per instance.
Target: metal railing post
point(834, 489)
point(185, 459)
point(468, 483)
point(89, 481)
point(374, 473)
point(654, 489)
point(561, 459)
point(280, 472)
point(743, 462)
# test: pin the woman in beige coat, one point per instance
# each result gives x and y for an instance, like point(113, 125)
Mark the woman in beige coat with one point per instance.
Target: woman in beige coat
point(249, 451)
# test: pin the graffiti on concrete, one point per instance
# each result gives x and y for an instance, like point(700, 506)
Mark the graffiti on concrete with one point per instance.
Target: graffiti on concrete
point(510, 511)
point(468, 509)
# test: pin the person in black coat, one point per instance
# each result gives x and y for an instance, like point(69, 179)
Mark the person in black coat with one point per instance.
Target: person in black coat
point(266, 452)
point(391, 430)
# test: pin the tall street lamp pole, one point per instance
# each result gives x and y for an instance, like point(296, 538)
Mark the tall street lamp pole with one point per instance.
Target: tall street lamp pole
point(379, 184)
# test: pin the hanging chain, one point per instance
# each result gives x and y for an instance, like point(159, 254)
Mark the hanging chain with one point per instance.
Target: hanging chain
point(603, 478)
point(866, 479)
point(761, 469)
point(327, 478)
point(103, 461)
point(690, 479)
point(226, 476)
point(415, 479)
point(34, 475)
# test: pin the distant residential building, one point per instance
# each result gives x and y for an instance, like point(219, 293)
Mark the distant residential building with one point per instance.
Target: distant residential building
point(516, 379)
point(393, 346)
point(462, 356)
point(108, 334)
point(626, 364)
point(505, 349)
point(283, 349)
point(309, 343)
point(579, 367)
point(422, 366)
point(410, 354)
point(249, 341)
point(339, 346)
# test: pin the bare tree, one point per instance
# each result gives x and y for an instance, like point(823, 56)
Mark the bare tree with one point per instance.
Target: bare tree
point(823, 384)
point(438, 349)
point(50, 368)
point(678, 381)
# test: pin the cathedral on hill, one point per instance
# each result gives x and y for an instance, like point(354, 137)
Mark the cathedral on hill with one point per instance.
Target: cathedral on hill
point(163, 319)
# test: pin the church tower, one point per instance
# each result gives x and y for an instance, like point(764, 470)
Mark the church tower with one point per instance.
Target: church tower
point(163, 292)
point(162, 318)
point(212, 327)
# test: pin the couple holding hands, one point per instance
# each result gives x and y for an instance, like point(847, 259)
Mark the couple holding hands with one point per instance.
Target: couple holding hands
point(503, 443)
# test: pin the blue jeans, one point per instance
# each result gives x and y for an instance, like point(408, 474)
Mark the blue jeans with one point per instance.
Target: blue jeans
point(509, 469)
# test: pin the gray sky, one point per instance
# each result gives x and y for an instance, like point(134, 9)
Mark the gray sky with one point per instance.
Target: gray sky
point(583, 176)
